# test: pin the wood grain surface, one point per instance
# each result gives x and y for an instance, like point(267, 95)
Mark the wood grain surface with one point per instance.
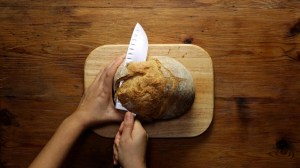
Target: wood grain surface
point(197, 61)
point(254, 45)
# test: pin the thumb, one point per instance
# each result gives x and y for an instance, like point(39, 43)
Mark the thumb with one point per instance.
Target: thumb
point(128, 125)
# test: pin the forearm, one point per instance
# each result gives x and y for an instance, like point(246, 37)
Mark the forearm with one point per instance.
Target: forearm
point(55, 151)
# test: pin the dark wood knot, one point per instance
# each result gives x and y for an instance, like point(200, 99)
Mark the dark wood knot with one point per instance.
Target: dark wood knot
point(284, 148)
point(243, 110)
point(295, 29)
point(298, 55)
point(241, 102)
point(7, 118)
point(282, 144)
point(187, 39)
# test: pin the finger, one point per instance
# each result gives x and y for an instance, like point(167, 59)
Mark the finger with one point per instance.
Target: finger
point(119, 134)
point(128, 125)
point(117, 138)
point(99, 74)
point(106, 78)
point(138, 129)
point(109, 74)
point(96, 79)
point(115, 160)
point(115, 149)
point(103, 70)
point(121, 128)
point(116, 62)
point(115, 163)
point(115, 155)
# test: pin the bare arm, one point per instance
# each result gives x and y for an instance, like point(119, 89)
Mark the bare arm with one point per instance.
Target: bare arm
point(59, 145)
point(96, 107)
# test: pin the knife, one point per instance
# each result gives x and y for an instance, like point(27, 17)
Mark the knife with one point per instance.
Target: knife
point(137, 52)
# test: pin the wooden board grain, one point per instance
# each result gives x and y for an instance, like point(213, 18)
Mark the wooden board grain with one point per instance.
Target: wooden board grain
point(195, 59)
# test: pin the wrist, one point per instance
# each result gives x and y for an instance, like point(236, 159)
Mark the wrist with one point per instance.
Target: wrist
point(86, 120)
point(76, 121)
point(141, 165)
point(138, 164)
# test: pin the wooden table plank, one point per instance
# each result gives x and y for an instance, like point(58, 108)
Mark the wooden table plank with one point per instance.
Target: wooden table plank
point(292, 4)
point(254, 45)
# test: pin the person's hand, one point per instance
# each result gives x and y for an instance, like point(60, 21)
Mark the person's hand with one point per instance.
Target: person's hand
point(96, 105)
point(130, 143)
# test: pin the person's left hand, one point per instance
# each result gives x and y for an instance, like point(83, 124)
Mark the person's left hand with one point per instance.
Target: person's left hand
point(96, 105)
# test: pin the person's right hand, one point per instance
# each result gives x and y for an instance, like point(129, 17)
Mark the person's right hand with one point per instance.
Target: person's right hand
point(130, 143)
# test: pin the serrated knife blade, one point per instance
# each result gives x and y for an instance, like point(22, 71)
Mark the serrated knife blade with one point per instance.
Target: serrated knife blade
point(137, 52)
point(138, 46)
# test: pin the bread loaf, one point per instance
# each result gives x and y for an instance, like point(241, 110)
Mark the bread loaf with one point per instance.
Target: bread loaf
point(160, 88)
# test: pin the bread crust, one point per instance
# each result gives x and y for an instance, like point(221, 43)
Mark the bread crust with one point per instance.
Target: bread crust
point(160, 88)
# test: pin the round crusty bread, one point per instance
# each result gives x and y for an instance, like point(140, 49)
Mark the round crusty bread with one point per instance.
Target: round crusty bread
point(160, 88)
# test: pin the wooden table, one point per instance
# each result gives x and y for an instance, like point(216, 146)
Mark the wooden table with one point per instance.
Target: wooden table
point(254, 45)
